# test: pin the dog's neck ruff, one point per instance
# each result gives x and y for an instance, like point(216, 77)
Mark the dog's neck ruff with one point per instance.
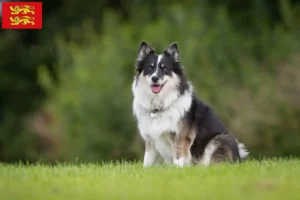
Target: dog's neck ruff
point(181, 104)
point(155, 112)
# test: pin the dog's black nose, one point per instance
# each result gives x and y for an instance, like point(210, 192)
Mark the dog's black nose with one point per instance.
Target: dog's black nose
point(154, 79)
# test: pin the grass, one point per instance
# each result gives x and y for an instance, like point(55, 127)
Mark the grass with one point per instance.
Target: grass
point(268, 179)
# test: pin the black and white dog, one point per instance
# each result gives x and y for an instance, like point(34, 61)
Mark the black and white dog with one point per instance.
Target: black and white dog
point(177, 127)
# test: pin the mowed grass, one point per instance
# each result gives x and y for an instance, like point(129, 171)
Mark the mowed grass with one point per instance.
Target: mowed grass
point(268, 179)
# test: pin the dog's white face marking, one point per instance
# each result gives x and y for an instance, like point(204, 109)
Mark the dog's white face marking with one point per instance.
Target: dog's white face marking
point(157, 65)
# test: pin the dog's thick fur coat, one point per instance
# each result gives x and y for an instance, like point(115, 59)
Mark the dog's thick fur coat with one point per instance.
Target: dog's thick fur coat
point(176, 126)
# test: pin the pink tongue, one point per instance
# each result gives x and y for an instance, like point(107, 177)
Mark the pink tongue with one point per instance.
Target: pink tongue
point(156, 88)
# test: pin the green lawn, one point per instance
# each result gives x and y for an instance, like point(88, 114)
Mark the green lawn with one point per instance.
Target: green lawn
point(269, 179)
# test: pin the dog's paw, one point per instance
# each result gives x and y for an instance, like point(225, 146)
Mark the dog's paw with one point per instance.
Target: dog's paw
point(146, 165)
point(180, 162)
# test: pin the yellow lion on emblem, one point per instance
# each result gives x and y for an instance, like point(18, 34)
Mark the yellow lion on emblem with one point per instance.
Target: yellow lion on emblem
point(24, 20)
point(15, 10)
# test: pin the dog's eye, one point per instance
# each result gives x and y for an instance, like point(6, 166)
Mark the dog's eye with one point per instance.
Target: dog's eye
point(151, 66)
point(163, 67)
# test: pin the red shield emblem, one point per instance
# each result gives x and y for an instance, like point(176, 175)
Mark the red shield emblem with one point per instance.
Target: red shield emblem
point(21, 15)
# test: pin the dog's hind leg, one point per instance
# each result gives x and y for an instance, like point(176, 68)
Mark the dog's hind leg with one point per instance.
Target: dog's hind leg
point(223, 148)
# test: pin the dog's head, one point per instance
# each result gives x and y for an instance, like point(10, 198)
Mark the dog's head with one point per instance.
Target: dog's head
point(159, 72)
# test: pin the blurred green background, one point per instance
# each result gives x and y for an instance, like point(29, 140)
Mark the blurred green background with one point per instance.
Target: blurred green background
point(65, 90)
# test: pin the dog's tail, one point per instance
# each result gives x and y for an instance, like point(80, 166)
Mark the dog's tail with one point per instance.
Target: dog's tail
point(244, 153)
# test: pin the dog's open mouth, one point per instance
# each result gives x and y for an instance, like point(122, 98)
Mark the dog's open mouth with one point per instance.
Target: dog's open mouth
point(157, 88)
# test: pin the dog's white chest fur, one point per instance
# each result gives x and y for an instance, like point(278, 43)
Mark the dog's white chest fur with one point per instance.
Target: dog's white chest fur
point(158, 130)
point(163, 122)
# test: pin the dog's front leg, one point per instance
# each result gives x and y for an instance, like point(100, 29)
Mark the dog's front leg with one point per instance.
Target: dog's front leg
point(182, 154)
point(151, 154)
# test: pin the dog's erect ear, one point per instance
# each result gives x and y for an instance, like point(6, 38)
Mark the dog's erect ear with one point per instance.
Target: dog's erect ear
point(173, 51)
point(145, 49)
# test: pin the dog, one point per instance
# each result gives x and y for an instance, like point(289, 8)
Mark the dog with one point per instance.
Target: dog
point(177, 128)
